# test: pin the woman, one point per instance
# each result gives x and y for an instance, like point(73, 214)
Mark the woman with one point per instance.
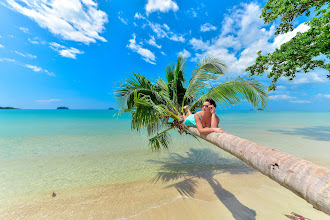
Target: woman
point(206, 120)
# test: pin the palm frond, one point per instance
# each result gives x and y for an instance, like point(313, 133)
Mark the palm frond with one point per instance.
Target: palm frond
point(164, 92)
point(233, 92)
point(136, 83)
point(207, 69)
point(149, 115)
point(160, 140)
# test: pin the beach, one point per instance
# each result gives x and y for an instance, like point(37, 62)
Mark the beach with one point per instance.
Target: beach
point(100, 169)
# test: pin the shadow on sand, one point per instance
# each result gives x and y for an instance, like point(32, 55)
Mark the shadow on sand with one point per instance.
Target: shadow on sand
point(319, 133)
point(204, 164)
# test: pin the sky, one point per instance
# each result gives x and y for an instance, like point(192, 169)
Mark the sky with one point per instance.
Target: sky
point(73, 52)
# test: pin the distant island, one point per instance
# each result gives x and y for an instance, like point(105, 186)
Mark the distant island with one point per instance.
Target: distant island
point(62, 108)
point(111, 109)
point(8, 108)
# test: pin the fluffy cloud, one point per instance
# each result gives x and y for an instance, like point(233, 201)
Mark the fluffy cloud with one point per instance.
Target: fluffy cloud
point(323, 96)
point(147, 55)
point(163, 31)
point(281, 97)
point(25, 30)
point(76, 20)
point(138, 16)
point(242, 35)
point(34, 68)
point(300, 101)
point(176, 37)
point(152, 42)
point(161, 5)
point(49, 100)
point(207, 27)
point(6, 60)
point(39, 69)
point(26, 55)
point(184, 53)
point(311, 77)
point(65, 51)
point(122, 19)
point(36, 40)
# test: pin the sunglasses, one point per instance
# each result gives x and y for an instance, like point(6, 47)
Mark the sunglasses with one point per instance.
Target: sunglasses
point(206, 106)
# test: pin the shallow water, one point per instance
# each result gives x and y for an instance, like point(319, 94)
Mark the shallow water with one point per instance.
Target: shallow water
point(48, 150)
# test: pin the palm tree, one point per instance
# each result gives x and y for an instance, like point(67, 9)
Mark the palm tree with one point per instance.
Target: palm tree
point(158, 108)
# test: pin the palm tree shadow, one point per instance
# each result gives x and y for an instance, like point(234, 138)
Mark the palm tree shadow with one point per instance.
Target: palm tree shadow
point(319, 133)
point(205, 164)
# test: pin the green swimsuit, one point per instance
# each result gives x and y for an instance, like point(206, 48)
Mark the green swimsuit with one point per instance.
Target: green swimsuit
point(190, 120)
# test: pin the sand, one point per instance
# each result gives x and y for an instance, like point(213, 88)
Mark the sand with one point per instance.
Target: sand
point(231, 194)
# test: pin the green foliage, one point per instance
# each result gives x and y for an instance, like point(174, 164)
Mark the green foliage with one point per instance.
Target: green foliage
point(302, 53)
point(157, 107)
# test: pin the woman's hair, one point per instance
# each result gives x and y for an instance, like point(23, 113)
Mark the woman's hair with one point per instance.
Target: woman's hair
point(211, 101)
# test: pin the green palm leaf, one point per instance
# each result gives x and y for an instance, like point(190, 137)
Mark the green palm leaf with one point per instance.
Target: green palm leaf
point(160, 140)
point(232, 92)
point(207, 69)
point(136, 83)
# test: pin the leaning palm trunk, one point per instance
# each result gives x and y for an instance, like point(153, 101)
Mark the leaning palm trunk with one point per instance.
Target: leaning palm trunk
point(306, 179)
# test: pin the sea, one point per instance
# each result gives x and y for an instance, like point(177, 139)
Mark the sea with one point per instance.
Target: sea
point(45, 151)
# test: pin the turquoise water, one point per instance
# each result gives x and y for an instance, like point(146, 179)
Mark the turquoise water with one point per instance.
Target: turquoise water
point(48, 150)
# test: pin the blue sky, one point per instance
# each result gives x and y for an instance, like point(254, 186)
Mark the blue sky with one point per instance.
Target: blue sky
point(70, 53)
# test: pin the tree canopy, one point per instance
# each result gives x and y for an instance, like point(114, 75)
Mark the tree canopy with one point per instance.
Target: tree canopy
point(304, 52)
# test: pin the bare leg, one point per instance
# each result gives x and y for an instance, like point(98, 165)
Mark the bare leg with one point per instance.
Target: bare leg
point(188, 112)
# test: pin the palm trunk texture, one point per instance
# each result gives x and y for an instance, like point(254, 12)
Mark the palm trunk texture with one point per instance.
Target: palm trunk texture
point(306, 179)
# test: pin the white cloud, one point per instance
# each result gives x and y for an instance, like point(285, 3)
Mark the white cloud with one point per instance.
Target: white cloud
point(311, 77)
point(163, 31)
point(281, 97)
point(122, 19)
point(152, 42)
point(39, 69)
point(163, 53)
point(147, 55)
point(176, 37)
point(6, 60)
point(49, 100)
point(26, 55)
point(1, 46)
point(36, 40)
point(192, 12)
point(280, 39)
point(207, 27)
point(323, 96)
point(199, 44)
point(166, 27)
point(159, 29)
point(242, 35)
point(184, 53)
point(34, 68)
point(161, 5)
point(138, 16)
point(76, 20)
point(65, 51)
point(300, 101)
point(25, 30)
